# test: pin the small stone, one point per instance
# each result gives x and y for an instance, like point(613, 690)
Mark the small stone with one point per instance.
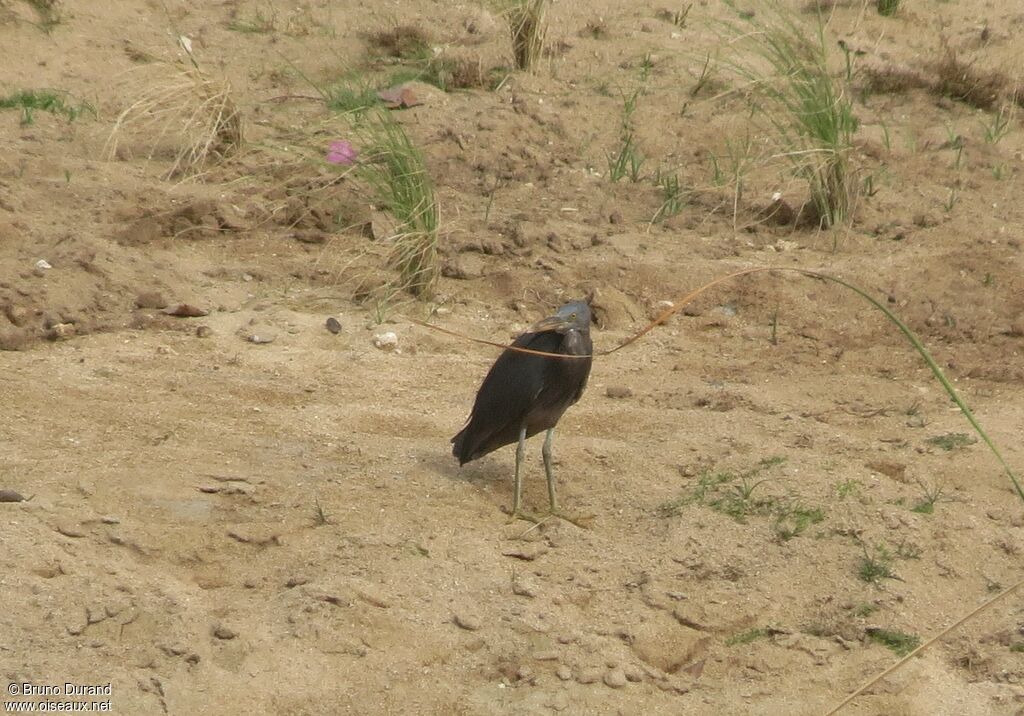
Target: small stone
point(524, 673)
point(224, 632)
point(589, 676)
point(186, 310)
point(524, 586)
point(549, 655)
point(469, 622)
point(43, 265)
point(633, 673)
point(618, 391)
point(203, 331)
point(17, 314)
point(262, 338)
point(526, 552)
point(333, 325)
point(615, 217)
point(386, 341)
point(296, 581)
point(150, 299)
point(110, 520)
point(11, 496)
point(563, 672)
point(615, 678)
point(60, 330)
point(70, 531)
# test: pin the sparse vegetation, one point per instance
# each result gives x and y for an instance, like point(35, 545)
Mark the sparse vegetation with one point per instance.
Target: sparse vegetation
point(48, 12)
point(673, 199)
point(811, 113)
point(183, 114)
point(876, 566)
point(32, 101)
point(745, 637)
point(627, 160)
point(999, 124)
point(393, 167)
point(931, 493)
point(951, 441)
point(527, 21)
point(899, 642)
point(887, 8)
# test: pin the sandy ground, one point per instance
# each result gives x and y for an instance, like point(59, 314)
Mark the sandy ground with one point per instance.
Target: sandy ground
point(219, 525)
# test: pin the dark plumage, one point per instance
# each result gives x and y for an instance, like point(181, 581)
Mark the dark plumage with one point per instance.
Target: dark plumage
point(524, 394)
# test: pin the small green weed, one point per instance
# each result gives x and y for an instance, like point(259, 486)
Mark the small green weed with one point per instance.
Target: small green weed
point(952, 441)
point(350, 97)
point(899, 642)
point(887, 8)
point(848, 488)
point(999, 125)
point(864, 609)
point(1017, 648)
point(256, 24)
point(48, 12)
point(930, 494)
point(745, 637)
point(793, 521)
point(31, 101)
point(672, 197)
point(627, 161)
point(875, 567)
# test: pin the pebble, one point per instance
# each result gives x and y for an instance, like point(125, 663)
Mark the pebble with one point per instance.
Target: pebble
point(262, 338)
point(615, 678)
point(633, 673)
point(563, 672)
point(11, 496)
point(333, 325)
point(43, 265)
point(224, 632)
point(386, 341)
point(524, 586)
point(589, 676)
point(549, 655)
point(150, 299)
point(61, 330)
point(469, 622)
point(526, 552)
point(203, 331)
point(618, 391)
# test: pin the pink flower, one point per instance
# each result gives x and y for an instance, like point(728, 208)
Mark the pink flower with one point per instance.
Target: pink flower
point(342, 152)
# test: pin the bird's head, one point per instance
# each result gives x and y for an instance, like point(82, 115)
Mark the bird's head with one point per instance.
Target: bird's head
point(573, 316)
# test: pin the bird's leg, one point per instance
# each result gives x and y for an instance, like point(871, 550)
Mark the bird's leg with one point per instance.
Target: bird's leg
point(548, 470)
point(517, 495)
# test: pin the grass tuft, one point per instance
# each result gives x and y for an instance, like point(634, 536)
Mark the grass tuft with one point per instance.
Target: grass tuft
point(899, 642)
point(527, 22)
point(812, 113)
point(184, 113)
point(393, 168)
point(31, 101)
point(951, 441)
point(887, 8)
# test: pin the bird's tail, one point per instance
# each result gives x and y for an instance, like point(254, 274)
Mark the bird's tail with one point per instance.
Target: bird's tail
point(457, 445)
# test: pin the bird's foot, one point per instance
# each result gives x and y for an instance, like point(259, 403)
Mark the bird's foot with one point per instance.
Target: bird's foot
point(515, 515)
point(582, 521)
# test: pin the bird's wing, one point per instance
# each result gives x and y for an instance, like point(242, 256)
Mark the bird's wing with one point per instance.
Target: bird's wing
point(507, 394)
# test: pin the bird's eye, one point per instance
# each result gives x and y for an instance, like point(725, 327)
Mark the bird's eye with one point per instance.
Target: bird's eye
point(572, 316)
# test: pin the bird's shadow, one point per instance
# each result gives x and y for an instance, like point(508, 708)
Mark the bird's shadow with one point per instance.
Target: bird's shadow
point(486, 469)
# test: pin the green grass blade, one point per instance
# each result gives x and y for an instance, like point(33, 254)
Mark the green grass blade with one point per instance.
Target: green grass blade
point(936, 370)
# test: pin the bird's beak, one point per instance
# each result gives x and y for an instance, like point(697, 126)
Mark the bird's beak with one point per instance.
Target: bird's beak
point(551, 323)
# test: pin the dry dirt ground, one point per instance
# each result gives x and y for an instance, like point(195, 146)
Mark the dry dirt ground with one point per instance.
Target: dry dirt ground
point(770, 493)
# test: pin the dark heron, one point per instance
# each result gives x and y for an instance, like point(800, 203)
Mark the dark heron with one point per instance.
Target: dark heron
point(524, 394)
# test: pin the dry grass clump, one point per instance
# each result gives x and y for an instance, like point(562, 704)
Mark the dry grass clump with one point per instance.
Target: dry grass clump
point(182, 115)
point(963, 82)
point(527, 21)
point(406, 42)
point(891, 79)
